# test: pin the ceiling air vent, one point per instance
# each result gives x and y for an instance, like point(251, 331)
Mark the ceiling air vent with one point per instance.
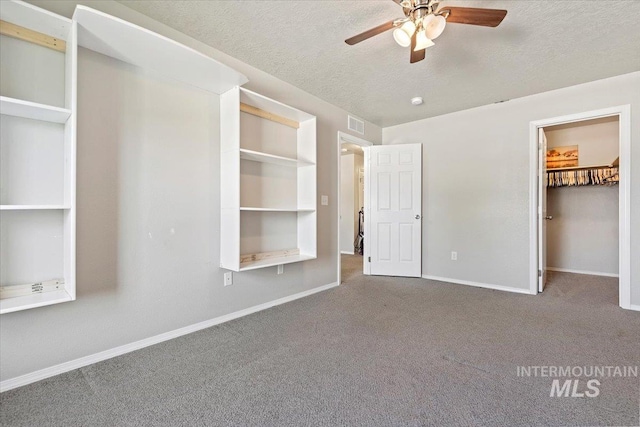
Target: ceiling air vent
point(356, 125)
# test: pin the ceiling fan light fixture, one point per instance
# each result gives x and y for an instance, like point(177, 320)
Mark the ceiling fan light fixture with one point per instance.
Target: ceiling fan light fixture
point(434, 25)
point(402, 35)
point(422, 41)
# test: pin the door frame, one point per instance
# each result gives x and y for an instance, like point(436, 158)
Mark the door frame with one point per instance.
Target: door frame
point(624, 219)
point(347, 138)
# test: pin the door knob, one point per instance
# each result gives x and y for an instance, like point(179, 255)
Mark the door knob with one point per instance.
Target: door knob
point(417, 216)
point(549, 217)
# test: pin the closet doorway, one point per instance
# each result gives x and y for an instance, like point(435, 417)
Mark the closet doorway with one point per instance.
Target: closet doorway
point(351, 184)
point(580, 198)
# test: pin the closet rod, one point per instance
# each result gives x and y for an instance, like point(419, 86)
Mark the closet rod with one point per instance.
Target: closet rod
point(576, 168)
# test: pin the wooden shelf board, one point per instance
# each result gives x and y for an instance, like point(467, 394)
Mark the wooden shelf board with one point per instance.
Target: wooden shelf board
point(269, 262)
point(10, 305)
point(250, 109)
point(33, 110)
point(257, 156)
point(251, 209)
point(32, 207)
point(135, 45)
point(21, 33)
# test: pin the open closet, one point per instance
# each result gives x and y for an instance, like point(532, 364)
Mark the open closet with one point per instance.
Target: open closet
point(582, 177)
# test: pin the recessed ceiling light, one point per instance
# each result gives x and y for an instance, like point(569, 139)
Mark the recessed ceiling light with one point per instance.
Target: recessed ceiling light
point(344, 150)
point(417, 100)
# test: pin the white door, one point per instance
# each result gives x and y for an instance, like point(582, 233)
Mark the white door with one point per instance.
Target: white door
point(394, 178)
point(542, 209)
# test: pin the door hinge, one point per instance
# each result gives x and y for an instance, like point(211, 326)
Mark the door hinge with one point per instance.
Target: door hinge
point(369, 259)
point(539, 273)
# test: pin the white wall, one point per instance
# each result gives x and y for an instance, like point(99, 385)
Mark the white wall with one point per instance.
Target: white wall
point(583, 235)
point(476, 180)
point(347, 196)
point(148, 211)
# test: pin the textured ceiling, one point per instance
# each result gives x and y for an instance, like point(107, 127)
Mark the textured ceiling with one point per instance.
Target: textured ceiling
point(541, 45)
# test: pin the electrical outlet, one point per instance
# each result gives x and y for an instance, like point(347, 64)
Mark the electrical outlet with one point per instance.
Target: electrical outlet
point(454, 256)
point(324, 200)
point(228, 278)
point(280, 268)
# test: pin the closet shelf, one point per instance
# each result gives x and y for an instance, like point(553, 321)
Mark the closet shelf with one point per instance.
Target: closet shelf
point(613, 164)
point(34, 300)
point(33, 110)
point(32, 207)
point(257, 156)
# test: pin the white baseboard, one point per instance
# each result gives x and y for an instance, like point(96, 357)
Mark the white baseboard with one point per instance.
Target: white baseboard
point(478, 285)
point(590, 273)
point(347, 253)
point(137, 345)
point(634, 307)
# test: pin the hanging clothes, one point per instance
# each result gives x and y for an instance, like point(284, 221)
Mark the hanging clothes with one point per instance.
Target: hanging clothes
point(577, 177)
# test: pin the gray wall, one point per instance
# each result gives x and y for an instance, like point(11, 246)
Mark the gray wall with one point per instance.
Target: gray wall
point(148, 211)
point(476, 180)
point(583, 235)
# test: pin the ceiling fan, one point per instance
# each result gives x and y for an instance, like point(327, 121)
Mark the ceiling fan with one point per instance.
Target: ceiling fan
point(425, 20)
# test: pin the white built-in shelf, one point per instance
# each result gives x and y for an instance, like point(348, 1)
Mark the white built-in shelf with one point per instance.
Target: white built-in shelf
point(34, 300)
point(32, 207)
point(135, 45)
point(38, 226)
point(33, 110)
point(257, 156)
point(244, 208)
point(266, 209)
point(270, 262)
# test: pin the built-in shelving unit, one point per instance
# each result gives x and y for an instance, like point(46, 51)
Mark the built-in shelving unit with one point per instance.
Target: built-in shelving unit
point(37, 157)
point(38, 145)
point(268, 166)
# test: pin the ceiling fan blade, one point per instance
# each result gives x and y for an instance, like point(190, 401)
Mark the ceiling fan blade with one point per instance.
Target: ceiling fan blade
point(419, 55)
point(474, 16)
point(370, 33)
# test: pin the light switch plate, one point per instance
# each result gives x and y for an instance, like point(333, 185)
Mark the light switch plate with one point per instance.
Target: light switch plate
point(324, 200)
